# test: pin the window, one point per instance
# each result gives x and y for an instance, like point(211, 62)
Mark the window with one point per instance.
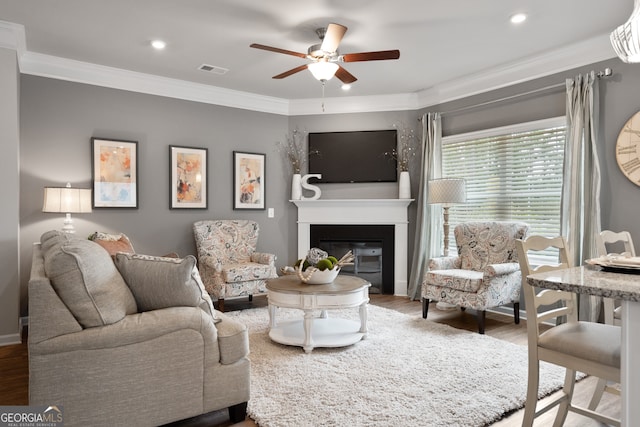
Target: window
point(512, 173)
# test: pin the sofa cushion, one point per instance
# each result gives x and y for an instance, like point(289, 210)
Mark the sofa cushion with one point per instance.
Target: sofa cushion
point(462, 280)
point(85, 279)
point(113, 243)
point(246, 271)
point(161, 282)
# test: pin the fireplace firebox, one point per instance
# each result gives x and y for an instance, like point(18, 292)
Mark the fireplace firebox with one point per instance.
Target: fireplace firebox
point(372, 245)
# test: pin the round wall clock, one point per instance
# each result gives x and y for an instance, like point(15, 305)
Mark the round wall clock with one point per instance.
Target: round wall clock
point(628, 149)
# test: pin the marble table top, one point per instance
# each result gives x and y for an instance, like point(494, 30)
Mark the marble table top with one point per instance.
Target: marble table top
point(590, 280)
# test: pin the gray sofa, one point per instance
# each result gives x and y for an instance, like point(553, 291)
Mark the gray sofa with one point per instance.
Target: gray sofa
point(130, 341)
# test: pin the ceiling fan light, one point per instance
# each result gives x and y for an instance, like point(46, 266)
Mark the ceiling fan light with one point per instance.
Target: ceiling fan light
point(626, 38)
point(323, 70)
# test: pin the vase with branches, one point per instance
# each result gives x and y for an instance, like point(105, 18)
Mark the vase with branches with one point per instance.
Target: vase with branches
point(293, 150)
point(295, 155)
point(406, 148)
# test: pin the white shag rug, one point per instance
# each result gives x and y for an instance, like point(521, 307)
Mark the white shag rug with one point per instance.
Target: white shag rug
point(408, 371)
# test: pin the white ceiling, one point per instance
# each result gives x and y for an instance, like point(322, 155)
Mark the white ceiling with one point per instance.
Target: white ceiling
point(442, 43)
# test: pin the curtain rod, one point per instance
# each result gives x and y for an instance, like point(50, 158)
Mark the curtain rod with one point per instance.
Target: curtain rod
point(606, 73)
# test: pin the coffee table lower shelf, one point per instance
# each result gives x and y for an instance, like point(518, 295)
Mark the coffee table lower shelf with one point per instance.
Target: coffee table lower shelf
point(325, 332)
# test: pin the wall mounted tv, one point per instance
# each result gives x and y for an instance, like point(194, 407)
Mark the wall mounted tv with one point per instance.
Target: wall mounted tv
point(347, 157)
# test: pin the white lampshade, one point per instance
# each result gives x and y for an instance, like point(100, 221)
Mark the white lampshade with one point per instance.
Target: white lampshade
point(323, 70)
point(447, 191)
point(626, 38)
point(67, 200)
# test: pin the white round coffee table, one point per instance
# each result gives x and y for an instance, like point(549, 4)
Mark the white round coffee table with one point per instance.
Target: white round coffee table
point(324, 331)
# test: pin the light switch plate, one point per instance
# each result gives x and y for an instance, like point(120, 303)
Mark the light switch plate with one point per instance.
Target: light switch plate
point(270, 213)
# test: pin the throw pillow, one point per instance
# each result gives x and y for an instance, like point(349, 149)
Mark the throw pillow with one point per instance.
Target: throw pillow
point(86, 280)
point(161, 282)
point(113, 243)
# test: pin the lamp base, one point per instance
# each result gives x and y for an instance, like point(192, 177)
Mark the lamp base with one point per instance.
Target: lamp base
point(68, 225)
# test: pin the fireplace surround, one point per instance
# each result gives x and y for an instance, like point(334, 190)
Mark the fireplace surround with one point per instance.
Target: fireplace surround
point(360, 212)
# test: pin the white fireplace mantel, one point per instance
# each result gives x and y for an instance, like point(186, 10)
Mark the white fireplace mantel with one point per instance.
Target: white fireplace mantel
point(359, 212)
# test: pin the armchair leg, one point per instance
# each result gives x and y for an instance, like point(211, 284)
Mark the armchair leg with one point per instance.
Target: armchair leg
point(238, 413)
point(516, 312)
point(221, 304)
point(481, 315)
point(425, 307)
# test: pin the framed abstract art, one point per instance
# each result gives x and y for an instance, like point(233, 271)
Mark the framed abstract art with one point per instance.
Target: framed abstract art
point(115, 173)
point(248, 180)
point(189, 170)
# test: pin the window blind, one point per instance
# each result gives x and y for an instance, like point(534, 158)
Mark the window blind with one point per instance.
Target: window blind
point(512, 173)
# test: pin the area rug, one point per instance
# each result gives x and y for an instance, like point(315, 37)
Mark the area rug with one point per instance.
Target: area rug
point(408, 371)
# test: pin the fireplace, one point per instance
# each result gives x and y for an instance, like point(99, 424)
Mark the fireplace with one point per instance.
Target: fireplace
point(390, 214)
point(372, 246)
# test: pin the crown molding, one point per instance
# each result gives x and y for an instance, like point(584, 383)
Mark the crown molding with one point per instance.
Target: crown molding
point(589, 51)
point(353, 104)
point(83, 72)
point(12, 37)
point(576, 55)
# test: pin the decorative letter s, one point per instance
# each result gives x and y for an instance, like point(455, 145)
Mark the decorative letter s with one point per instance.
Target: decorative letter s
point(314, 188)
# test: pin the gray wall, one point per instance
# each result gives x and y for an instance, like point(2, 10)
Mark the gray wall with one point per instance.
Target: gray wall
point(57, 120)
point(9, 194)
point(619, 100)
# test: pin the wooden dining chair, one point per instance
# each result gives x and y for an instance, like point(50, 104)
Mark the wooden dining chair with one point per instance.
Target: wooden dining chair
point(612, 310)
point(618, 240)
point(592, 348)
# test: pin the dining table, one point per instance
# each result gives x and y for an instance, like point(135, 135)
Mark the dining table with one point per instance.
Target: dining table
point(609, 283)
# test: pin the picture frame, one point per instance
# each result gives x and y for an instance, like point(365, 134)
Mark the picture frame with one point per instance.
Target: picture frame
point(249, 180)
point(114, 167)
point(188, 177)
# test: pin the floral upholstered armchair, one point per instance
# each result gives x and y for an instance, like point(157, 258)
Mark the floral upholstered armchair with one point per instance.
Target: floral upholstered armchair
point(485, 274)
point(227, 259)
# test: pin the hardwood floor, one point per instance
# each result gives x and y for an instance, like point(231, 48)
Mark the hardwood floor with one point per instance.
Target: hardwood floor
point(14, 369)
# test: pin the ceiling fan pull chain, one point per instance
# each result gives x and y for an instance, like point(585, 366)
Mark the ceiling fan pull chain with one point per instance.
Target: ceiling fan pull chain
point(323, 96)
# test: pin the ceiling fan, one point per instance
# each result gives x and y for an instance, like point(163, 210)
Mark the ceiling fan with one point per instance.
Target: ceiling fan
point(325, 56)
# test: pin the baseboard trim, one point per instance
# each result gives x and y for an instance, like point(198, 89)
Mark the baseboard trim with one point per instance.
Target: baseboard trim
point(10, 339)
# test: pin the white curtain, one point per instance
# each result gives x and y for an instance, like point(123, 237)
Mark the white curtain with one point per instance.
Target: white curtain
point(428, 219)
point(580, 215)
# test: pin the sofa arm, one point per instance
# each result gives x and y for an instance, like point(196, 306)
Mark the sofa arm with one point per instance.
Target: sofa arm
point(493, 270)
point(263, 258)
point(445, 263)
point(133, 329)
point(233, 339)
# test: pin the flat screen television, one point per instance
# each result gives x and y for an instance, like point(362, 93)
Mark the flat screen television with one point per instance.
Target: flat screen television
point(349, 157)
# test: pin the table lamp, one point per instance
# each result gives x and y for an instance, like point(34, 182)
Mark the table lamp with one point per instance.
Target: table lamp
point(447, 192)
point(67, 200)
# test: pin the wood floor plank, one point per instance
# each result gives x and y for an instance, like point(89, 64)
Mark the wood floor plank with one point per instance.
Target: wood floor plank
point(14, 369)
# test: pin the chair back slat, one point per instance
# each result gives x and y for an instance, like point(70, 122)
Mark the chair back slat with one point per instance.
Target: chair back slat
point(608, 237)
point(554, 303)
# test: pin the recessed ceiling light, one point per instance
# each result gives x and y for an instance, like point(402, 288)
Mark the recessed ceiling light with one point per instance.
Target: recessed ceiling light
point(346, 87)
point(158, 44)
point(518, 18)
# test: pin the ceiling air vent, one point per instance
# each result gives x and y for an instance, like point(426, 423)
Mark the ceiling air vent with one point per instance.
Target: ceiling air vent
point(212, 69)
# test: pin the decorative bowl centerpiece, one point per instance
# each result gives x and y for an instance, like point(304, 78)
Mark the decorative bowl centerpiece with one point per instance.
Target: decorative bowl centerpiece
point(319, 268)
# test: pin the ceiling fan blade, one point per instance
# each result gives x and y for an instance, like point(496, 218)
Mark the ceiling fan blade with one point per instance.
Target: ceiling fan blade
point(371, 56)
point(345, 76)
point(332, 37)
point(290, 72)
point(278, 50)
